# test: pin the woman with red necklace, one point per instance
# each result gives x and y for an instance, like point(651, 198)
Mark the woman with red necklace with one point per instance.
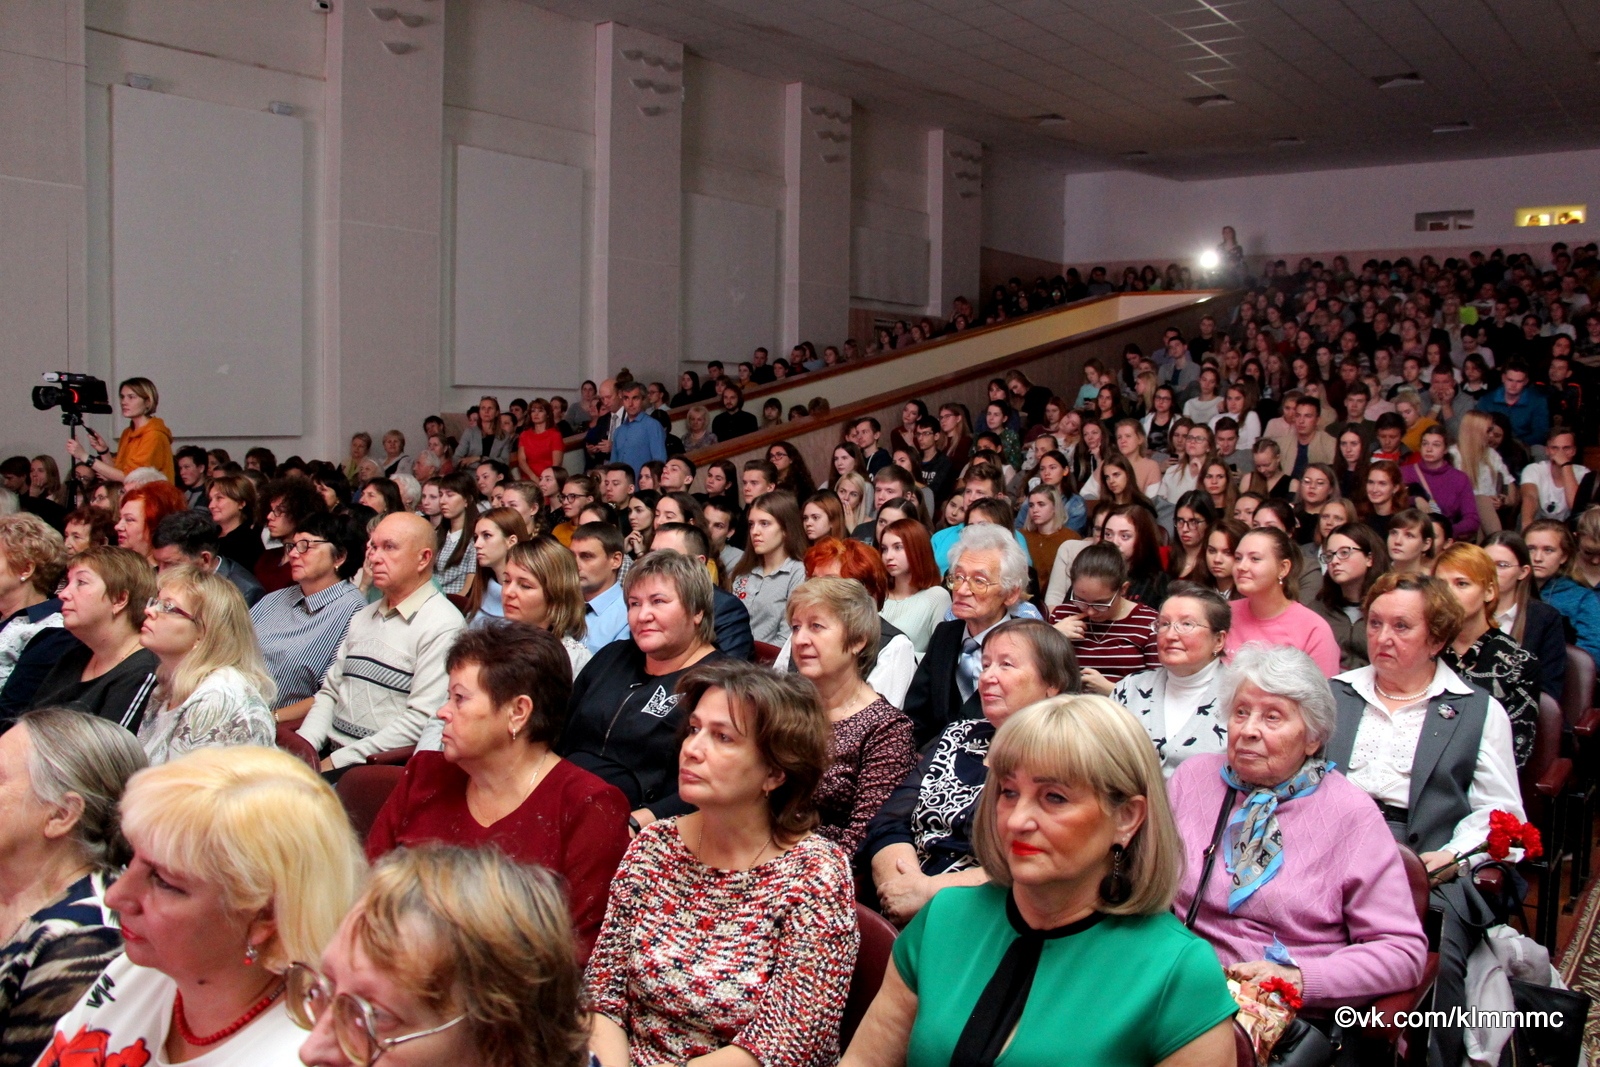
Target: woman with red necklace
point(243, 863)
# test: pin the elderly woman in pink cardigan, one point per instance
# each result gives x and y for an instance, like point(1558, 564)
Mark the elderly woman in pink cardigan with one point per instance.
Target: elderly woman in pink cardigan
point(1306, 883)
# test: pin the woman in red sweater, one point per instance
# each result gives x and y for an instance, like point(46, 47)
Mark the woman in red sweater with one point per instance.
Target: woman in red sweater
point(498, 783)
point(541, 444)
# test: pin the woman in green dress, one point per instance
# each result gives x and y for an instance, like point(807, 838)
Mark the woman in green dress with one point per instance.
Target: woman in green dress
point(1070, 953)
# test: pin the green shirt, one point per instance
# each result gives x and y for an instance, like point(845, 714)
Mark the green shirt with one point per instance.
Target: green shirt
point(1126, 990)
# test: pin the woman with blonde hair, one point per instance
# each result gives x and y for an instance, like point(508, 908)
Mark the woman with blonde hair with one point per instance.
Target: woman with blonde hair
point(541, 589)
point(1492, 481)
point(243, 863)
point(212, 684)
point(44, 480)
point(1083, 859)
point(468, 952)
point(853, 498)
point(147, 442)
point(698, 435)
point(1045, 528)
point(1481, 652)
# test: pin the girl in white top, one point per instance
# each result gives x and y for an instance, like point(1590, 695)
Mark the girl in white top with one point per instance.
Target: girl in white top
point(1237, 406)
point(1183, 475)
point(243, 862)
point(916, 602)
point(1208, 405)
point(1493, 483)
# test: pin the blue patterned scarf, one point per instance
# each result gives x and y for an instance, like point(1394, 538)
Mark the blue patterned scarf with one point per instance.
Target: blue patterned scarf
point(1253, 848)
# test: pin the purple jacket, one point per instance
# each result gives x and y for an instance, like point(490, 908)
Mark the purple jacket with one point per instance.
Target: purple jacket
point(1340, 903)
point(1451, 490)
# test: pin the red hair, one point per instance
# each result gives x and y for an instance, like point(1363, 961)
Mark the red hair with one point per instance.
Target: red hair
point(856, 560)
point(160, 499)
point(924, 569)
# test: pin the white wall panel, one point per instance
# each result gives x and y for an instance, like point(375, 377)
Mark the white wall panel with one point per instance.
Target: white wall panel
point(207, 205)
point(518, 270)
point(730, 279)
point(891, 268)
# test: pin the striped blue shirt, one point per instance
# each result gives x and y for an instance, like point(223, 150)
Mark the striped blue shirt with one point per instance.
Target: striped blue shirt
point(299, 634)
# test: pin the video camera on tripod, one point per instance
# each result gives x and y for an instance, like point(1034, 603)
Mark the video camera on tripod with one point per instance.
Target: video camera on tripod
point(76, 395)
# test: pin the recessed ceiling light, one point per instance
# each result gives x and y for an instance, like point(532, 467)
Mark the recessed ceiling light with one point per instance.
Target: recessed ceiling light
point(1398, 81)
point(1453, 127)
point(1052, 119)
point(1215, 100)
point(1287, 142)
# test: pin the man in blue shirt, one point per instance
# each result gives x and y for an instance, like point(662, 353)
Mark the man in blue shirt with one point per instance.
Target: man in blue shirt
point(639, 438)
point(597, 547)
point(1527, 410)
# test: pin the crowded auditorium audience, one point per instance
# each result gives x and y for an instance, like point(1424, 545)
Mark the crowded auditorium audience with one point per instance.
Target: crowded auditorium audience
point(1156, 676)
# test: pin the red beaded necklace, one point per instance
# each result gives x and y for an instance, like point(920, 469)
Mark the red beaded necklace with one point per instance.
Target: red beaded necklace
point(198, 1041)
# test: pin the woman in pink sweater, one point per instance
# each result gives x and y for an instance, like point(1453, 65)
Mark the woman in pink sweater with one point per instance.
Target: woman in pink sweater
point(1266, 573)
point(1307, 883)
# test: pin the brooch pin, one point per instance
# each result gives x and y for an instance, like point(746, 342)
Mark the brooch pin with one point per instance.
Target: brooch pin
point(1447, 711)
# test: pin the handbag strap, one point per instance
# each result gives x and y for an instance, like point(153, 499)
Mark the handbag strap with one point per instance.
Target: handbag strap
point(1211, 856)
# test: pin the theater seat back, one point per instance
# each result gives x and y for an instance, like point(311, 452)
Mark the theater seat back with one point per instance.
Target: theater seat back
point(363, 789)
point(872, 960)
point(296, 745)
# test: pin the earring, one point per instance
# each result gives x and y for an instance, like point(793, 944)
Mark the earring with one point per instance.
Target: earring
point(251, 954)
point(1116, 888)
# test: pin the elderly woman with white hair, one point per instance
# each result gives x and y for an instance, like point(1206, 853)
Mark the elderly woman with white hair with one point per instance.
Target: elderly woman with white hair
point(1310, 887)
point(988, 577)
point(1069, 952)
point(61, 775)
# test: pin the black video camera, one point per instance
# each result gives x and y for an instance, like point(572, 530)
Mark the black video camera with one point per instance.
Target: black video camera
point(76, 395)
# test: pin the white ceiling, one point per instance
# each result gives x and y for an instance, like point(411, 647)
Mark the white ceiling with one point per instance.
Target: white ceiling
point(1524, 73)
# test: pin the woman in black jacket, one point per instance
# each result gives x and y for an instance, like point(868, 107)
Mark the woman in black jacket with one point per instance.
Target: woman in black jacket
point(1532, 623)
point(624, 719)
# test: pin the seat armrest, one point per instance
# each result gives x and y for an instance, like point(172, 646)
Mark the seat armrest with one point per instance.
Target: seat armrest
point(1396, 1003)
point(1489, 880)
point(393, 757)
point(1554, 781)
point(1588, 723)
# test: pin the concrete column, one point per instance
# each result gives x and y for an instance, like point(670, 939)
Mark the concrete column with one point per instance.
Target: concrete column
point(955, 219)
point(43, 247)
point(638, 203)
point(382, 178)
point(816, 217)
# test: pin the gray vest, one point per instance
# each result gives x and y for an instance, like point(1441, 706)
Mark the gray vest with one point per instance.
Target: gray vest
point(1441, 770)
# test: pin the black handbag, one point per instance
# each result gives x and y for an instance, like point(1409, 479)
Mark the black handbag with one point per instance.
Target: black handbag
point(1548, 1046)
point(1300, 1044)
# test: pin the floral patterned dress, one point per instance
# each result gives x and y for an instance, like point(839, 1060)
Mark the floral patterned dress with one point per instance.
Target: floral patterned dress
point(225, 709)
point(694, 958)
point(868, 755)
point(1508, 672)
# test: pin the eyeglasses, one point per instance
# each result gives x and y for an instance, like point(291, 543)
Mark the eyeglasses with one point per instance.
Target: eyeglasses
point(1191, 522)
point(304, 545)
point(1094, 605)
point(1181, 627)
point(976, 582)
point(570, 497)
point(354, 1019)
point(156, 606)
point(1346, 552)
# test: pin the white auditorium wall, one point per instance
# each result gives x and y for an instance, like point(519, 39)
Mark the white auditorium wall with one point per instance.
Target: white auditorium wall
point(517, 80)
point(889, 213)
point(1022, 206)
point(1121, 215)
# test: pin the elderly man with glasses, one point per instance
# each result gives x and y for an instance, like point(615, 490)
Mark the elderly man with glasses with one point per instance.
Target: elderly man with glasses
point(987, 578)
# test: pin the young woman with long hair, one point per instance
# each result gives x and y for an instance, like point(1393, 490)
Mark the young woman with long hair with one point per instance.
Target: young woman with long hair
point(1385, 494)
point(793, 474)
point(542, 589)
point(1350, 462)
point(1410, 541)
point(1239, 404)
point(1131, 528)
point(822, 516)
point(1118, 486)
point(771, 567)
point(1492, 484)
point(455, 563)
point(917, 600)
point(1222, 541)
point(847, 459)
point(1532, 623)
point(1552, 549)
point(1158, 423)
point(1128, 437)
point(1045, 527)
point(1192, 517)
point(1355, 557)
point(494, 535)
point(852, 490)
point(1219, 484)
point(1319, 486)
point(1266, 571)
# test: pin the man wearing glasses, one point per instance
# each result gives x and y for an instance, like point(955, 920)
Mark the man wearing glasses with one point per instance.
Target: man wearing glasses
point(300, 626)
point(988, 577)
